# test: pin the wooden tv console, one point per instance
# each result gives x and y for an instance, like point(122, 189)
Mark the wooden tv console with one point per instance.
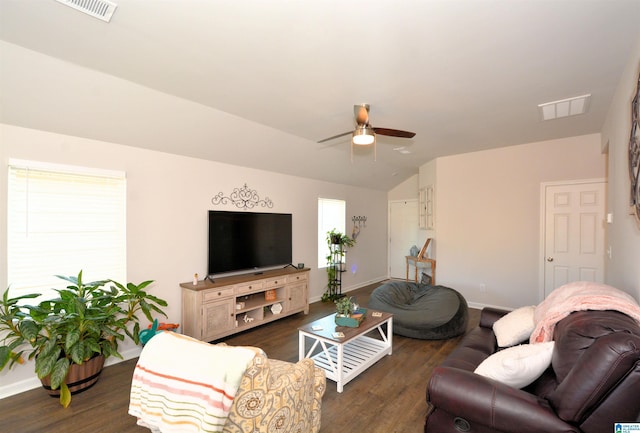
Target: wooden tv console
point(212, 310)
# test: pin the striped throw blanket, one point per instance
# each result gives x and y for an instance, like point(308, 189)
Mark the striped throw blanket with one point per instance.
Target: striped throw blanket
point(184, 385)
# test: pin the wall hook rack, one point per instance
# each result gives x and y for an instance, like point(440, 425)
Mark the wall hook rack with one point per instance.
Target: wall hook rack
point(358, 222)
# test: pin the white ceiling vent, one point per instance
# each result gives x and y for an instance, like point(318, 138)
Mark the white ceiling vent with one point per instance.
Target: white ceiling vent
point(402, 150)
point(564, 107)
point(101, 9)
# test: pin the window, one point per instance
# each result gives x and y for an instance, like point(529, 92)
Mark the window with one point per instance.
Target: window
point(61, 220)
point(331, 215)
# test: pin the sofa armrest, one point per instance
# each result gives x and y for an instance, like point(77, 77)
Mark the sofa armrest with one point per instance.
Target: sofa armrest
point(486, 402)
point(490, 315)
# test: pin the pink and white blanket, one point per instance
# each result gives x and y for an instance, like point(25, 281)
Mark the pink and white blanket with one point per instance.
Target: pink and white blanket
point(183, 385)
point(579, 296)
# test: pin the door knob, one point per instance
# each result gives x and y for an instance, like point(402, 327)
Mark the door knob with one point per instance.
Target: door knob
point(549, 259)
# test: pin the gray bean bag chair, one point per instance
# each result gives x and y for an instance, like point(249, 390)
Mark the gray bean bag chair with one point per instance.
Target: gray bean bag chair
point(422, 311)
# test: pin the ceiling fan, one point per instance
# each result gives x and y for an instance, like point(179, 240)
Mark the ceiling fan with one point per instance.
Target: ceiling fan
point(365, 134)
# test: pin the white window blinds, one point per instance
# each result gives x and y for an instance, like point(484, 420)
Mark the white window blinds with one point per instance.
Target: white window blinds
point(61, 220)
point(331, 215)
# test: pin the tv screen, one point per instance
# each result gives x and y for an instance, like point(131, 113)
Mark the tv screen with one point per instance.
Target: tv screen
point(247, 240)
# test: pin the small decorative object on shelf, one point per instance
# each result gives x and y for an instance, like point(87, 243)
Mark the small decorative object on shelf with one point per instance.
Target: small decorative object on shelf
point(276, 308)
point(195, 279)
point(349, 313)
point(270, 295)
point(240, 305)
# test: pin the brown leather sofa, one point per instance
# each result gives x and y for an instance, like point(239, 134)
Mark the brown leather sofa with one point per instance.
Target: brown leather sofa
point(592, 383)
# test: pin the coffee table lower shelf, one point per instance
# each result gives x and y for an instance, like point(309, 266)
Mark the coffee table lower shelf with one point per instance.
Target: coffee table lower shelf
point(357, 356)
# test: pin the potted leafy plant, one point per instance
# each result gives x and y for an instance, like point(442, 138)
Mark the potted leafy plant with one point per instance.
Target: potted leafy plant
point(345, 306)
point(337, 242)
point(349, 313)
point(81, 327)
point(337, 238)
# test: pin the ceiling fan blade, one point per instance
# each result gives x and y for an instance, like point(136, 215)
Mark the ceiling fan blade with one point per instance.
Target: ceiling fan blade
point(394, 132)
point(361, 114)
point(335, 136)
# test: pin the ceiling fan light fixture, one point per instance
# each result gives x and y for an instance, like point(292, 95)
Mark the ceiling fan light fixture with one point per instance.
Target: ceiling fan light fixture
point(363, 136)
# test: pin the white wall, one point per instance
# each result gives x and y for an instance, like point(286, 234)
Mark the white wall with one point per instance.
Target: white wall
point(623, 269)
point(428, 174)
point(167, 201)
point(488, 215)
point(407, 190)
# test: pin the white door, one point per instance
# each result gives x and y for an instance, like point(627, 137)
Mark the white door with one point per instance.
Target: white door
point(574, 233)
point(403, 234)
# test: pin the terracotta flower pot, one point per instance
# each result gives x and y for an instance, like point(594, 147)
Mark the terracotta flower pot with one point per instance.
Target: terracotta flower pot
point(79, 378)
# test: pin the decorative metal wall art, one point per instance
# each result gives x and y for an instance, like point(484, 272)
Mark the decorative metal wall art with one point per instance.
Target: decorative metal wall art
point(244, 198)
point(634, 152)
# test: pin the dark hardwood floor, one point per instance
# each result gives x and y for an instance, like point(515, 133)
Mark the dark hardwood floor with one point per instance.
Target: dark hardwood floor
point(388, 397)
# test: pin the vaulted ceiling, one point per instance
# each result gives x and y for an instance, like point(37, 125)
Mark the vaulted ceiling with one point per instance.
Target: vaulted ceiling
point(257, 83)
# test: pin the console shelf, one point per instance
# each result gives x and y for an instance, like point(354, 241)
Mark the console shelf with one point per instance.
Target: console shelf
point(212, 310)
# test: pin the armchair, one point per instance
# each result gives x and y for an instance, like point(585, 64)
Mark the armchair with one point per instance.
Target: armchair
point(278, 396)
point(184, 385)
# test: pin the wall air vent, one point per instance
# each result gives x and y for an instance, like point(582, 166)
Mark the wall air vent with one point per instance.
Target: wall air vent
point(101, 9)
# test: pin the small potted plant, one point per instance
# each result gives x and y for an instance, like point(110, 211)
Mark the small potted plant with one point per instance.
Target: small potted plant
point(73, 332)
point(349, 313)
point(335, 237)
point(345, 306)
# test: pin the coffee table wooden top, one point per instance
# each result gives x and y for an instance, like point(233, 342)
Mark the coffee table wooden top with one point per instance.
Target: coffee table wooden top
point(329, 326)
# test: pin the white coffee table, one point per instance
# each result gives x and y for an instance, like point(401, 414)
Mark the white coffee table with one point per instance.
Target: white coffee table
point(344, 358)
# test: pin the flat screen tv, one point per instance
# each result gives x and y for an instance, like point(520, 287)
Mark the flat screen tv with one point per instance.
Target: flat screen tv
point(240, 241)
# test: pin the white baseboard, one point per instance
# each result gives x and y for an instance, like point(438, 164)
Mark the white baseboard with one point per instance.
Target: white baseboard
point(20, 386)
point(477, 305)
point(33, 382)
point(354, 287)
point(480, 306)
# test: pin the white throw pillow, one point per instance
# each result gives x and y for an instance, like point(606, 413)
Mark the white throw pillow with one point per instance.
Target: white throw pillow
point(515, 327)
point(517, 366)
